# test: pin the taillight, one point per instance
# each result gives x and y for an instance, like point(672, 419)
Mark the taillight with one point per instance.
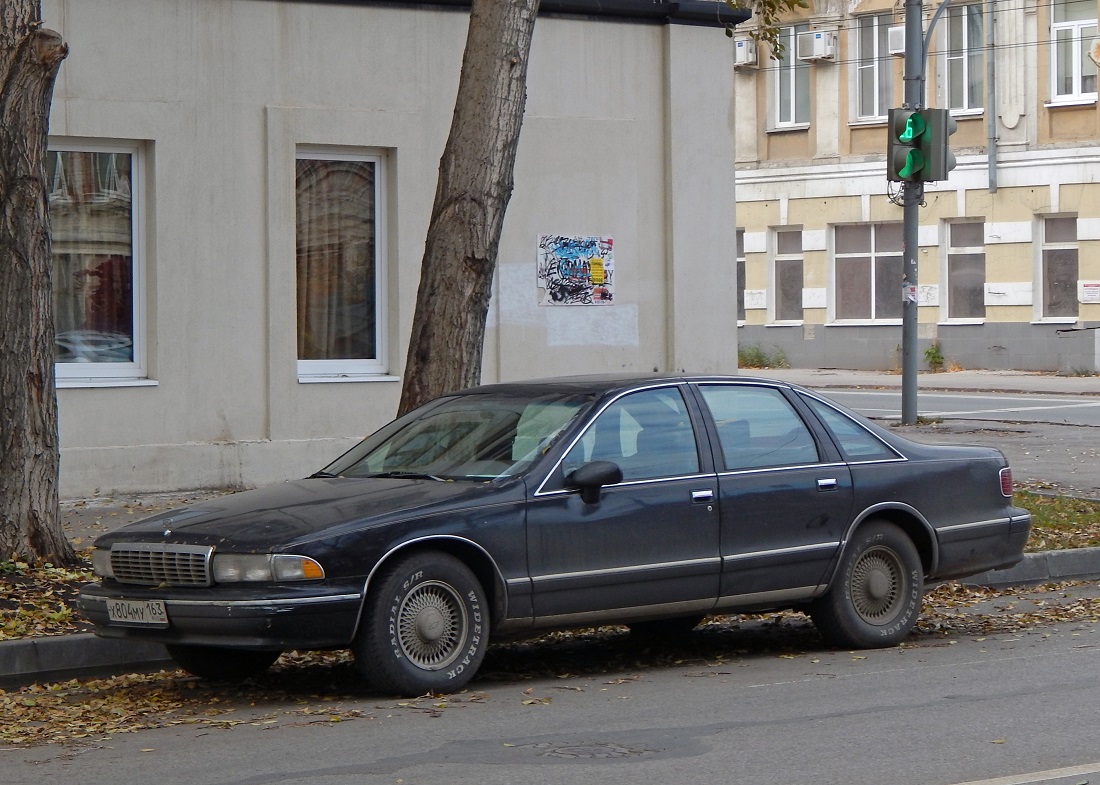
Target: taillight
point(1006, 482)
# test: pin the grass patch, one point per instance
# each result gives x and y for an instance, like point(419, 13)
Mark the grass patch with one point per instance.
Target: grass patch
point(755, 357)
point(1060, 522)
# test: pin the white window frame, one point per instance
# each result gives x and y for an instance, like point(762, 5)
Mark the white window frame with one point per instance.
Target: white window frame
point(959, 64)
point(775, 260)
point(1039, 287)
point(785, 109)
point(874, 254)
point(945, 272)
point(740, 268)
point(877, 65)
point(345, 370)
point(122, 373)
point(1080, 33)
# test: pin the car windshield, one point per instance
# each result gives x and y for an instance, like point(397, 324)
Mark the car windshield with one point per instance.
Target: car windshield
point(477, 437)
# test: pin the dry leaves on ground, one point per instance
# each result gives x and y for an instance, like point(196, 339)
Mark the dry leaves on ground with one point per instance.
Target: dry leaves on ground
point(324, 688)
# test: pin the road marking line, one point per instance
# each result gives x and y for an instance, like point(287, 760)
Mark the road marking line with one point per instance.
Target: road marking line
point(1038, 776)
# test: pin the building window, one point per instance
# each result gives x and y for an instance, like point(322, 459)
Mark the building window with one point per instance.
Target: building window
point(791, 83)
point(1058, 277)
point(868, 271)
point(788, 276)
point(964, 57)
point(874, 67)
point(339, 275)
point(966, 271)
point(740, 275)
point(1072, 28)
point(96, 279)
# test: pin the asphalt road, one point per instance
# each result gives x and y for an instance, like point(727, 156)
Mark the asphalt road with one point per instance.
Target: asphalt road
point(991, 406)
point(1050, 441)
point(1000, 710)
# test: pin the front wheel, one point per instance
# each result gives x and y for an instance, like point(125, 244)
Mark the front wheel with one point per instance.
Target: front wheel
point(875, 598)
point(221, 664)
point(425, 627)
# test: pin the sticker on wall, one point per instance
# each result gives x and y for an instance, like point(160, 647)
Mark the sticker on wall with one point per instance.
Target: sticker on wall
point(575, 270)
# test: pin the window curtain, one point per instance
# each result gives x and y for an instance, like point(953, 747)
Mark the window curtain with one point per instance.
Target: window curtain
point(91, 237)
point(335, 248)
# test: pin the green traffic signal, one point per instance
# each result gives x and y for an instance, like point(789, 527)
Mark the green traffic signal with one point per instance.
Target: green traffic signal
point(939, 160)
point(914, 127)
point(905, 161)
point(912, 163)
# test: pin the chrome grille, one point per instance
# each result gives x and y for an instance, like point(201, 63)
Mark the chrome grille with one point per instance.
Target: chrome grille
point(157, 564)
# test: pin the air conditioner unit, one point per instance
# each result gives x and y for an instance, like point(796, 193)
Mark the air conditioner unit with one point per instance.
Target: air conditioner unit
point(895, 40)
point(744, 52)
point(816, 45)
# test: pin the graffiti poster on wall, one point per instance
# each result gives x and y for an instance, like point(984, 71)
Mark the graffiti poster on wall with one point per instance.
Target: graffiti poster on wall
point(575, 270)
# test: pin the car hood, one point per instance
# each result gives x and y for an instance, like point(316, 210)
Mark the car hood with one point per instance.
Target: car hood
point(301, 510)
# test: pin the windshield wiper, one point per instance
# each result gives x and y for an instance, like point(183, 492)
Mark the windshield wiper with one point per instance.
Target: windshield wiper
point(322, 476)
point(407, 476)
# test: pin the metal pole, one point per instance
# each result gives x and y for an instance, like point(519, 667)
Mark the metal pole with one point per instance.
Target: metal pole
point(912, 196)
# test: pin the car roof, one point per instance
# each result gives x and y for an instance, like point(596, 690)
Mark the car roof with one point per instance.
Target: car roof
point(602, 383)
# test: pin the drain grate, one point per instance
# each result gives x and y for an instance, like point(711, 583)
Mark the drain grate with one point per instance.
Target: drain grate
point(592, 751)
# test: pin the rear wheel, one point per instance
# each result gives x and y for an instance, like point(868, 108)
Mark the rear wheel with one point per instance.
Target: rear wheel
point(875, 598)
point(220, 664)
point(425, 627)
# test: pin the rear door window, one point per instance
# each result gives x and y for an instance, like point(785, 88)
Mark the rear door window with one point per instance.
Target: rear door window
point(758, 428)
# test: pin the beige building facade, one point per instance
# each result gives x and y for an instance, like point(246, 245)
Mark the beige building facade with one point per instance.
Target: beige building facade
point(240, 191)
point(1009, 243)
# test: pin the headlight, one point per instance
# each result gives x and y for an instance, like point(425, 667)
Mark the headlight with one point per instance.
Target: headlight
point(238, 567)
point(101, 563)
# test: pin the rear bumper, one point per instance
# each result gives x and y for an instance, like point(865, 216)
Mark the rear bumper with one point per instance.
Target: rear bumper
point(972, 548)
point(281, 619)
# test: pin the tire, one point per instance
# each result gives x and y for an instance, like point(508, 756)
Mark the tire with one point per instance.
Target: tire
point(425, 626)
point(664, 629)
point(875, 598)
point(219, 664)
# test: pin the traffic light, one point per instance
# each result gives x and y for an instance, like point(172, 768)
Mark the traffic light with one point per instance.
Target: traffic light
point(905, 161)
point(938, 158)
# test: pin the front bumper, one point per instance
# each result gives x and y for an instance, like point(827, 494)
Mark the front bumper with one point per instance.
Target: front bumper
point(259, 616)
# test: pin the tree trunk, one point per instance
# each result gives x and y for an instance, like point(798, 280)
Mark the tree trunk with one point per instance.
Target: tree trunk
point(475, 184)
point(30, 526)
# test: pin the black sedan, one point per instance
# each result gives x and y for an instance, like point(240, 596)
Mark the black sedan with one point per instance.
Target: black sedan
point(507, 509)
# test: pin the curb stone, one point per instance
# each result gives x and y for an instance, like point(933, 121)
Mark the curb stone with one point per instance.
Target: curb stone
point(82, 655)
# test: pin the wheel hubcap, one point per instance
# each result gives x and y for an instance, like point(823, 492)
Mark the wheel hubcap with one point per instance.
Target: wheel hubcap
point(877, 585)
point(430, 625)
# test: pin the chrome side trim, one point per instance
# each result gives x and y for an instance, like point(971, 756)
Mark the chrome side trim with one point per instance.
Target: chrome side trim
point(499, 577)
point(865, 429)
point(679, 385)
point(633, 569)
point(784, 468)
point(933, 537)
point(767, 597)
point(975, 525)
point(821, 546)
point(541, 494)
point(260, 603)
point(323, 600)
point(621, 615)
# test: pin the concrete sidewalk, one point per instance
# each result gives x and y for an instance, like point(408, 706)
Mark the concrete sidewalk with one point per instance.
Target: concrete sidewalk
point(83, 655)
point(961, 381)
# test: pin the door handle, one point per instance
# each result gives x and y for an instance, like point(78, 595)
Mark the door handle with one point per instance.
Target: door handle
point(827, 484)
point(705, 495)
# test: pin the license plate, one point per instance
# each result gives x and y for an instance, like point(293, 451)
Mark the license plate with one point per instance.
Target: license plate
point(150, 612)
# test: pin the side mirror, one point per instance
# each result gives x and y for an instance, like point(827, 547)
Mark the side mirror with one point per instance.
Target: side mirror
point(591, 477)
